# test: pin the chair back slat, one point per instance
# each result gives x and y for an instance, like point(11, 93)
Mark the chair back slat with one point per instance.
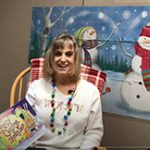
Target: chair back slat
point(13, 93)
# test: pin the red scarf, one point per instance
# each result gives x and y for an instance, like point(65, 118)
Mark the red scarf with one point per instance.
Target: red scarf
point(145, 66)
point(88, 44)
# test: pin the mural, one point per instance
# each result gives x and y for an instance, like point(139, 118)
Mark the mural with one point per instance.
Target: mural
point(115, 40)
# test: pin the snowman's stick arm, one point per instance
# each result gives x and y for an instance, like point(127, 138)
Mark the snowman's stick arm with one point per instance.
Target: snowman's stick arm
point(126, 53)
point(111, 34)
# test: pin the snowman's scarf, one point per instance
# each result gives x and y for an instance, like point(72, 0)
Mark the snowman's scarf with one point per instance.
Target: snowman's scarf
point(87, 58)
point(88, 44)
point(145, 67)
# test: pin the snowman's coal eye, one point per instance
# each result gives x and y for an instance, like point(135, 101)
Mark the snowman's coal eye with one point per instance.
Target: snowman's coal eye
point(140, 83)
point(22, 116)
point(138, 96)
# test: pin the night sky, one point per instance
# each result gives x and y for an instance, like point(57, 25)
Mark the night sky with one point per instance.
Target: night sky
point(126, 21)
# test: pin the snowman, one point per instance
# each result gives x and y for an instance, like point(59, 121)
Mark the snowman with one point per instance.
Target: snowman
point(88, 43)
point(135, 90)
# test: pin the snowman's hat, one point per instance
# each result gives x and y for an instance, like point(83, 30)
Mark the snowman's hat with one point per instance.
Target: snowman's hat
point(79, 34)
point(146, 30)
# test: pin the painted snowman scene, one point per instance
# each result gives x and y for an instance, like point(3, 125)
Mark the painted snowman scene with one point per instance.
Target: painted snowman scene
point(114, 40)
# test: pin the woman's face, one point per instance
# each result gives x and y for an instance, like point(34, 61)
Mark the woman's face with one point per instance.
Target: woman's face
point(64, 60)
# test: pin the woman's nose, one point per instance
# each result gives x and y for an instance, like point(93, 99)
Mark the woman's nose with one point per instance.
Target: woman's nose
point(63, 57)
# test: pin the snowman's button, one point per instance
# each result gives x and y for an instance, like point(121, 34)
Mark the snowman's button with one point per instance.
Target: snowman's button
point(138, 96)
point(140, 83)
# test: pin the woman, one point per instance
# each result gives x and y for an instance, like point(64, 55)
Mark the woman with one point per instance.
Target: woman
point(69, 106)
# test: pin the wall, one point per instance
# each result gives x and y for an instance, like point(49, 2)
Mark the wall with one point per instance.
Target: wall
point(120, 132)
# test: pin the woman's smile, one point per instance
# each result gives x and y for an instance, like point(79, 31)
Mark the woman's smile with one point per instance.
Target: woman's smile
point(63, 65)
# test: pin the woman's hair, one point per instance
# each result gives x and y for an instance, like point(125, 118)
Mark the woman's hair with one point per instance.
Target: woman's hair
point(59, 43)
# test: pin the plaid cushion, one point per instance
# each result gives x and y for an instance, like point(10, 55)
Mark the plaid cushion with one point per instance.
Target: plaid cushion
point(36, 69)
point(94, 76)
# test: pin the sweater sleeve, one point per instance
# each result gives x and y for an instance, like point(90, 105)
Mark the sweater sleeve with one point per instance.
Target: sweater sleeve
point(94, 128)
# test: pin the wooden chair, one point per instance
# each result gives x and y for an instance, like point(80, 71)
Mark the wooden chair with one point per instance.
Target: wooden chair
point(18, 85)
point(35, 72)
point(102, 148)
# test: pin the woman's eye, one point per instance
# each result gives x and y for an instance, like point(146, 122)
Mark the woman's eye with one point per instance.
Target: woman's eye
point(57, 53)
point(69, 54)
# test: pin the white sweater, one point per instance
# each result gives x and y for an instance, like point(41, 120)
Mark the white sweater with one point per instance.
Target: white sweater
point(85, 125)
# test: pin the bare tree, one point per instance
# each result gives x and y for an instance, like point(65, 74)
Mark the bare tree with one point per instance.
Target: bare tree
point(48, 24)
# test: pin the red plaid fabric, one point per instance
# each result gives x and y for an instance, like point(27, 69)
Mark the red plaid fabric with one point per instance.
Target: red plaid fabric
point(36, 69)
point(94, 76)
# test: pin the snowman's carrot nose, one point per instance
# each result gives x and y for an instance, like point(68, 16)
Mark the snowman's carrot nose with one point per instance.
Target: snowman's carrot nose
point(91, 33)
point(147, 41)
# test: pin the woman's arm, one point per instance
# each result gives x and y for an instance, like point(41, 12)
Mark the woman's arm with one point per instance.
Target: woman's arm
point(94, 129)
